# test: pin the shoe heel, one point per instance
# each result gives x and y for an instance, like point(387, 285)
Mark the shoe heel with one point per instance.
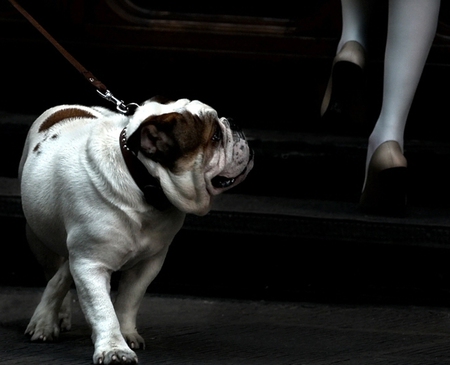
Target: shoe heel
point(386, 195)
point(347, 84)
point(343, 105)
point(385, 187)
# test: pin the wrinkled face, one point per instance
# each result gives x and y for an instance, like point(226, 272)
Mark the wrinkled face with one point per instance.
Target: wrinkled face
point(231, 158)
point(195, 154)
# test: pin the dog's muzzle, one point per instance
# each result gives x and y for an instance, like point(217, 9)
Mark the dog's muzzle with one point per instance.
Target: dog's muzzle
point(223, 181)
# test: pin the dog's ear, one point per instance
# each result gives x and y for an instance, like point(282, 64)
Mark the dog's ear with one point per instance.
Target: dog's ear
point(157, 140)
point(161, 138)
point(165, 138)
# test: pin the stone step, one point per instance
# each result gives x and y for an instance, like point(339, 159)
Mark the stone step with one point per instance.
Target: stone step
point(276, 248)
point(291, 230)
point(298, 165)
point(295, 218)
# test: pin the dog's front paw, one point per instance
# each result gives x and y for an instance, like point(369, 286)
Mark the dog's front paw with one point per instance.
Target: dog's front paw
point(43, 327)
point(114, 354)
point(134, 340)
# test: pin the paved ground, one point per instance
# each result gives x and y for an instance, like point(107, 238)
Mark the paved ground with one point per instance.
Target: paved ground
point(180, 330)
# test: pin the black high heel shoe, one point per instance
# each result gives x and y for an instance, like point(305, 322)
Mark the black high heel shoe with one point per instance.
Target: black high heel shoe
point(385, 186)
point(343, 101)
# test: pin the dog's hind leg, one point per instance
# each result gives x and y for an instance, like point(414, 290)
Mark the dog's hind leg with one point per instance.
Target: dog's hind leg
point(132, 287)
point(45, 323)
point(53, 313)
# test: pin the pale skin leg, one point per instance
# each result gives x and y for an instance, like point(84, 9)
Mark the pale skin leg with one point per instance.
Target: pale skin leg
point(355, 21)
point(132, 287)
point(411, 30)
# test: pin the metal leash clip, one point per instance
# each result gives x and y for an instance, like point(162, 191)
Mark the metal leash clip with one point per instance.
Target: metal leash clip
point(120, 105)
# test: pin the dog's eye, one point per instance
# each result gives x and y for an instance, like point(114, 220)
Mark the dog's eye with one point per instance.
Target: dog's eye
point(217, 135)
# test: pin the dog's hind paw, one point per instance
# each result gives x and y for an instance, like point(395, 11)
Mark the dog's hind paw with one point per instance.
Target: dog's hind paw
point(65, 319)
point(65, 314)
point(43, 330)
point(134, 340)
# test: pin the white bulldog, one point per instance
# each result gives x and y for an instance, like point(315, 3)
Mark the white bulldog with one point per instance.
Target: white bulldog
point(103, 192)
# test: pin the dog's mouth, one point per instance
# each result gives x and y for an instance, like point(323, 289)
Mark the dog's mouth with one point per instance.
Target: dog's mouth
point(223, 182)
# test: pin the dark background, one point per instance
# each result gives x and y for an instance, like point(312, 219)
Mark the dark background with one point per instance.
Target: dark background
point(267, 68)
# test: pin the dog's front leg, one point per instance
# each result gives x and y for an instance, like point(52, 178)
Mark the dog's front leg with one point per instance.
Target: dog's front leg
point(132, 287)
point(92, 280)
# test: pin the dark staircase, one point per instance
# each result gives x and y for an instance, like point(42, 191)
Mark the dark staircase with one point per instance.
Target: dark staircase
point(292, 230)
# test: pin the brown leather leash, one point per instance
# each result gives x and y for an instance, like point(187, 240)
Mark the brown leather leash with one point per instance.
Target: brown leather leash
point(101, 89)
point(149, 185)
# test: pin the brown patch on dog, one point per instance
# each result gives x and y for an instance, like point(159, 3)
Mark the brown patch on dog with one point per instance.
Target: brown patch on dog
point(63, 114)
point(170, 138)
point(36, 148)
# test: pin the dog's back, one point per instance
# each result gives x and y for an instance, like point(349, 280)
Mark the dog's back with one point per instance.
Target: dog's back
point(52, 158)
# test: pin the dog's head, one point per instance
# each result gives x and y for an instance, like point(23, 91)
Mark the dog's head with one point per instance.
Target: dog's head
point(194, 153)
